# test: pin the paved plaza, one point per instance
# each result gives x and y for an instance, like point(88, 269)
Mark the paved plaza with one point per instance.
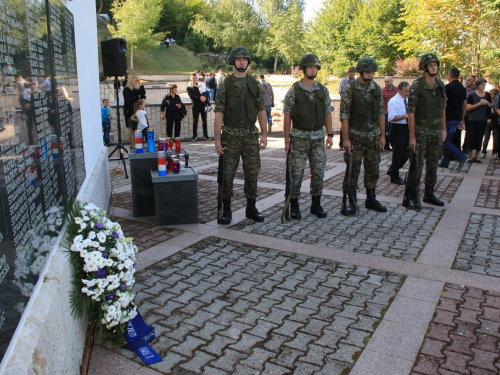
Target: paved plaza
point(401, 292)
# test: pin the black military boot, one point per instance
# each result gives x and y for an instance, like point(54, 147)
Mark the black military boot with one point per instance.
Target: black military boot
point(295, 210)
point(226, 211)
point(349, 208)
point(252, 212)
point(372, 203)
point(429, 196)
point(316, 208)
point(411, 201)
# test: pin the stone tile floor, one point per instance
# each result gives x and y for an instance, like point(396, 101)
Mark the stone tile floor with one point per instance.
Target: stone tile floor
point(396, 293)
point(399, 234)
point(463, 336)
point(488, 196)
point(479, 251)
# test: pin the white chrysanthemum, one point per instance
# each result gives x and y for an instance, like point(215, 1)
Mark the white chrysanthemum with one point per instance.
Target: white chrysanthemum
point(101, 237)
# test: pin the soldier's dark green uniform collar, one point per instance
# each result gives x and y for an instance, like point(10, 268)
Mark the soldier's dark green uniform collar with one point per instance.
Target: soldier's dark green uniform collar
point(429, 86)
point(316, 86)
point(358, 85)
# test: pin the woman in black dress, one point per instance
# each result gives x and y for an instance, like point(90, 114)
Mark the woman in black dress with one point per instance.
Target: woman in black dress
point(174, 109)
point(479, 112)
point(131, 94)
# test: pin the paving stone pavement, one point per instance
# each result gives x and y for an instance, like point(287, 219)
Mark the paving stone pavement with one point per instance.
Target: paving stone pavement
point(464, 335)
point(397, 293)
point(488, 195)
point(479, 251)
point(207, 200)
point(243, 309)
point(493, 168)
point(398, 234)
point(445, 188)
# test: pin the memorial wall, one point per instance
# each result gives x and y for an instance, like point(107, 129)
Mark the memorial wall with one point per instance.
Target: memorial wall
point(41, 149)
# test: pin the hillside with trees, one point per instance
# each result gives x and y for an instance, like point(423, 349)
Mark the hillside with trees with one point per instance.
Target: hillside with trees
point(463, 33)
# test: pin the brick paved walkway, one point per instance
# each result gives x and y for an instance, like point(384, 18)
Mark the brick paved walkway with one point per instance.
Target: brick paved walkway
point(396, 293)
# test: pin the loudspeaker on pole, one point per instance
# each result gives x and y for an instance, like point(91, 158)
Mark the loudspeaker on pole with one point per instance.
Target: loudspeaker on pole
point(114, 57)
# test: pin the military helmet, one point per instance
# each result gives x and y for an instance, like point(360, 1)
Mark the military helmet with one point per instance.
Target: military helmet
point(366, 64)
point(237, 52)
point(309, 59)
point(427, 59)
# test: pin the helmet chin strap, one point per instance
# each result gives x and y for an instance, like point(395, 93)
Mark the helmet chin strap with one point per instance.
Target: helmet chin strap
point(309, 77)
point(366, 79)
point(429, 73)
point(241, 70)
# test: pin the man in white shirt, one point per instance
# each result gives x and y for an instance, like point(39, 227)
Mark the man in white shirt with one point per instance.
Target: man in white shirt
point(219, 79)
point(398, 120)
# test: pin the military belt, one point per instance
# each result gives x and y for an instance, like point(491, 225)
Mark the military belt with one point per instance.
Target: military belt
point(241, 125)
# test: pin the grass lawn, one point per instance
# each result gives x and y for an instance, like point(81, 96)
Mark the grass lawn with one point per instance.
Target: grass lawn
point(175, 60)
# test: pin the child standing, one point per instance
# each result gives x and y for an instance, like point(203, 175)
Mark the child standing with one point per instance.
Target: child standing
point(204, 92)
point(106, 121)
point(141, 116)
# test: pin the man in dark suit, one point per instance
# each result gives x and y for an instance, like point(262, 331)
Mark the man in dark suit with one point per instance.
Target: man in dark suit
point(198, 108)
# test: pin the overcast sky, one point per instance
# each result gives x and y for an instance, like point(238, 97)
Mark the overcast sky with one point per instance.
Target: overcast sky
point(310, 9)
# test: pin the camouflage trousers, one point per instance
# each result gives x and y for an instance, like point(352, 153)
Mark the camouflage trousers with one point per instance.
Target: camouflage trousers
point(366, 150)
point(430, 148)
point(245, 144)
point(314, 150)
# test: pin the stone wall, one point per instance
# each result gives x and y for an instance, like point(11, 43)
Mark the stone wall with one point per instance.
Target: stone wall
point(48, 339)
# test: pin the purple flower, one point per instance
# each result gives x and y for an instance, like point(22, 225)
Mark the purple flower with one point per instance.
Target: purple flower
point(101, 273)
point(110, 297)
point(123, 287)
point(116, 235)
point(99, 225)
point(105, 256)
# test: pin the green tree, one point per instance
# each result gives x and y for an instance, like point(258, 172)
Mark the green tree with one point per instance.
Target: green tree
point(229, 23)
point(345, 30)
point(135, 21)
point(176, 15)
point(195, 42)
point(463, 33)
point(328, 32)
point(286, 34)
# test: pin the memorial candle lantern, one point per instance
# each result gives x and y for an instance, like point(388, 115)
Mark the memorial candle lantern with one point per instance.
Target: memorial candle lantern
point(171, 163)
point(182, 161)
point(170, 143)
point(138, 142)
point(151, 140)
point(176, 165)
point(162, 163)
point(177, 144)
point(54, 146)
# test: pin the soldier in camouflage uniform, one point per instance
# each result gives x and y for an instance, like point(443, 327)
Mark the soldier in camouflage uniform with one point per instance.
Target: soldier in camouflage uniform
point(427, 126)
point(308, 107)
point(238, 104)
point(363, 121)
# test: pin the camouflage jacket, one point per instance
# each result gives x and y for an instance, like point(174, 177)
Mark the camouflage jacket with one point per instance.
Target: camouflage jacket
point(418, 103)
point(289, 102)
point(220, 98)
point(346, 102)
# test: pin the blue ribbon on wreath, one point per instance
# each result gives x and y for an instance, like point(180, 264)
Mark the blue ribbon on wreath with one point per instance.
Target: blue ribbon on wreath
point(138, 337)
